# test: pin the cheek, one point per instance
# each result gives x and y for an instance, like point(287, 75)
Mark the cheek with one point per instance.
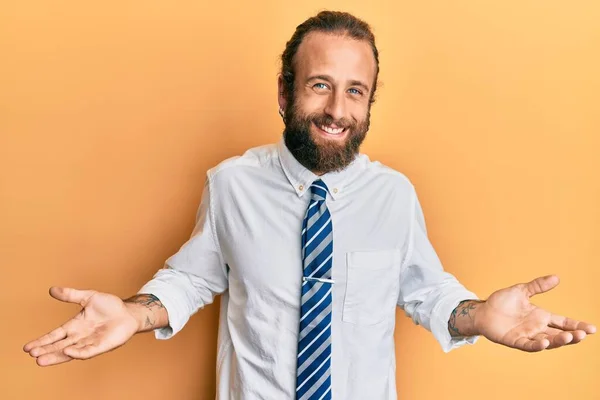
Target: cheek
point(310, 103)
point(359, 112)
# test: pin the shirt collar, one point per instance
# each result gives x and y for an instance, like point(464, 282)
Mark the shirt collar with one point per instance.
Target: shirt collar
point(301, 178)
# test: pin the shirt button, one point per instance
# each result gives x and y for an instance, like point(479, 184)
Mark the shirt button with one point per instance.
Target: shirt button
point(335, 190)
point(301, 187)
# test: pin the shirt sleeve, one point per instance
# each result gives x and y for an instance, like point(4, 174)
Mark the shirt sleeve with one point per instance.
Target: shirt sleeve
point(193, 276)
point(428, 294)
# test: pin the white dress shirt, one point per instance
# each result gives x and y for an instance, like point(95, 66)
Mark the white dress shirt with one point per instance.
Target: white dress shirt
point(246, 246)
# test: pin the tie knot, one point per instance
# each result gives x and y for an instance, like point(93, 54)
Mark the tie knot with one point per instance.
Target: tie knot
point(318, 190)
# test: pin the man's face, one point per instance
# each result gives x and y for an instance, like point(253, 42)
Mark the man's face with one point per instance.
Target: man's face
point(329, 115)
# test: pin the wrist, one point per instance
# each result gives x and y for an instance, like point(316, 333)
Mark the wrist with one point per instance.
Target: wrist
point(138, 314)
point(477, 317)
point(464, 320)
point(148, 312)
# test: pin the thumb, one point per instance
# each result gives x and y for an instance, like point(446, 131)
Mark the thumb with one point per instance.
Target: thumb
point(541, 285)
point(70, 295)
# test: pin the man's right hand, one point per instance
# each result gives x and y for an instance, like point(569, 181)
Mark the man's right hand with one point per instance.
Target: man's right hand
point(104, 323)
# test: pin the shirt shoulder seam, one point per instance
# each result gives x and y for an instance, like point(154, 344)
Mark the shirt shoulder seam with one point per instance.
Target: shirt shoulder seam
point(242, 160)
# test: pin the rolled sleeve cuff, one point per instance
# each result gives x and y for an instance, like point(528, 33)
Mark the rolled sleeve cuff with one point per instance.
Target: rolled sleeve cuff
point(176, 318)
point(440, 317)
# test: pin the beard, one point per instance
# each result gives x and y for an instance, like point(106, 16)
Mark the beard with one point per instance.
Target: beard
point(319, 154)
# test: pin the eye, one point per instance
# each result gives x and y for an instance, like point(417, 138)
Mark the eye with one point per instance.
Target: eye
point(320, 85)
point(355, 91)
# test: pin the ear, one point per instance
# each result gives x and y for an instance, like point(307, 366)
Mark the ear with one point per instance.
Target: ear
point(281, 98)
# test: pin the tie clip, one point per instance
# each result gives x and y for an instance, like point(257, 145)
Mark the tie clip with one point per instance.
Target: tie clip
point(323, 280)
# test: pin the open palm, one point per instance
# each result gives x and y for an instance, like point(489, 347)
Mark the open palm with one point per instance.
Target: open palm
point(103, 324)
point(508, 317)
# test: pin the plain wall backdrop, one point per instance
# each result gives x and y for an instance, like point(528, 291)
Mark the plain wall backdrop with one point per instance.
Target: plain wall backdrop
point(111, 113)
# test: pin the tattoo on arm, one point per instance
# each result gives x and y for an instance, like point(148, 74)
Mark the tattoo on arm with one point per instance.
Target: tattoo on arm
point(465, 309)
point(149, 323)
point(147, 300)
point(150, 312)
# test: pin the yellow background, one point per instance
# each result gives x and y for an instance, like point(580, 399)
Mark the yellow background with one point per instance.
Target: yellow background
point(111, 112)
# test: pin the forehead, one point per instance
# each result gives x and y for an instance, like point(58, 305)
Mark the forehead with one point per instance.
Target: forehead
point(336, 55)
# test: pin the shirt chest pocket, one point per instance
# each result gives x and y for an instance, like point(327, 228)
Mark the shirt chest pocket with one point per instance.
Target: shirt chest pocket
point(372, 282)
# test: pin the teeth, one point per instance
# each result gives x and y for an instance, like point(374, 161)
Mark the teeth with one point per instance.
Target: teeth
point(331, 130)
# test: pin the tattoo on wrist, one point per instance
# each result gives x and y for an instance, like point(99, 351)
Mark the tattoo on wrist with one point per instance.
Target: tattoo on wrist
point(465, 309)
point(148, 300)
point(149, 323)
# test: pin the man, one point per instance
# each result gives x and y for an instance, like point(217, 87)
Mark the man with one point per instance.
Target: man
point(312, 246)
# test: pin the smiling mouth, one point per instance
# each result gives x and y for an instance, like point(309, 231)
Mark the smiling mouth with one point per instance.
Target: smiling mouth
point(331, 132)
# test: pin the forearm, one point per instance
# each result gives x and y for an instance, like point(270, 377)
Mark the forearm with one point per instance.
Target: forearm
point(148, 311)
point(462, 319)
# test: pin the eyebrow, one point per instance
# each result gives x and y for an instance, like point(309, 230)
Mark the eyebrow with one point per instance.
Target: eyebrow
point(330, 80)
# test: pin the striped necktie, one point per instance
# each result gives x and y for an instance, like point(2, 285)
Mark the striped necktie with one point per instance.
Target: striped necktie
point(313, 380)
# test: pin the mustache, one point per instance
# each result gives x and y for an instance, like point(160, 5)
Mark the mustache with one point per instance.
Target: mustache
point(324, 119)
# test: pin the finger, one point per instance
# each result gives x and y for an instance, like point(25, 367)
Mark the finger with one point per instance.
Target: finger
point(552, 331)
point(57, 334)
point(83, 351)
point(578, 335)
point(560, 339)
point(85, 348)
point(52, 348)
point(531, 345)
point(78, 345)
point(568, 324)
point(52, 359)
point(541, 285)
point(70, 295)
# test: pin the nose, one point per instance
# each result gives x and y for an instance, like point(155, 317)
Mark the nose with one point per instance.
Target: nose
point(336, 107)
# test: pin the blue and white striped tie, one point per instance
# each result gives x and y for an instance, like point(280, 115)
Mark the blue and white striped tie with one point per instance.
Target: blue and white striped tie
point(313, 380)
